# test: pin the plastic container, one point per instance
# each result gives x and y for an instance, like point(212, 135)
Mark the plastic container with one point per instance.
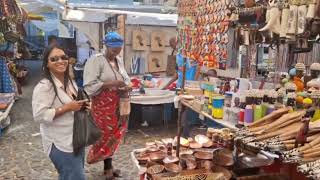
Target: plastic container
point(270, 109)
point(218, 102)
point(264, 107)
point(257, 112)
point(217, 113)
point(241, 117)
point(248, 115)
point(228, 99)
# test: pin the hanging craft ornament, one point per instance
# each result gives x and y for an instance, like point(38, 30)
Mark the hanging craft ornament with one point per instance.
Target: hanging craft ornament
point(273, 23)
point(139, 40)
point(157, 41)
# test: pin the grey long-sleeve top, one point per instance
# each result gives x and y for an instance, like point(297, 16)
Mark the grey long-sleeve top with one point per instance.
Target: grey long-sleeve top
point(97, 71)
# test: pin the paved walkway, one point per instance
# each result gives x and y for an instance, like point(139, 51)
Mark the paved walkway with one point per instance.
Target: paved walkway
point(21, 155)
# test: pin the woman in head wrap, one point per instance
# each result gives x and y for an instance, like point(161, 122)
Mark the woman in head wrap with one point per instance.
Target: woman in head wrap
point(106, 80)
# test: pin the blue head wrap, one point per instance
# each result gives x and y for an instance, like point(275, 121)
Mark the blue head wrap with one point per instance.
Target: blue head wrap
point(113, 40)
point(293, 72)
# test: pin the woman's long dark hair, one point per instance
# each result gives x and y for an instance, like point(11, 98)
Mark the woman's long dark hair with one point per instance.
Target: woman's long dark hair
point(46, 71)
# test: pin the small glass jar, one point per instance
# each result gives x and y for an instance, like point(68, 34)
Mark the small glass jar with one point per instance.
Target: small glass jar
point(228, 99)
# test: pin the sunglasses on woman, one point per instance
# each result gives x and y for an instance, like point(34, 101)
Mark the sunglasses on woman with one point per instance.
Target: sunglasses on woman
point(56, 58)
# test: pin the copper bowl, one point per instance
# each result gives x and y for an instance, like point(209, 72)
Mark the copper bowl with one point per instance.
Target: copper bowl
point(187, 156)
point(173, 168)
point(170, 159)
point(195, 145)
point(152, 149)
point(209, 144)
point(143, 158)
point(226, 173)
point(223, 157)
point(201, 139)
point(186, 151)
point(155, 169)
point(157, 156)
point(191, 164)
point(207, 164)
point(203, 155)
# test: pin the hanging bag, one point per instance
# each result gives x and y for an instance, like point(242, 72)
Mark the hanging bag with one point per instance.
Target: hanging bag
point(85, 131)
point(124, 106)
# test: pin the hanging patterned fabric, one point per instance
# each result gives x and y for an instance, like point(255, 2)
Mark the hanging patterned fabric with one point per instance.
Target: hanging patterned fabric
point(282, 63)
point(6, 83)
point(252, 61)
point(203, 32)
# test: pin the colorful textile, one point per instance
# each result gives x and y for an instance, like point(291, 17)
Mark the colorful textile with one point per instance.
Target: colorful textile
point(6, 83)
point(105, 111)
point(113, 40)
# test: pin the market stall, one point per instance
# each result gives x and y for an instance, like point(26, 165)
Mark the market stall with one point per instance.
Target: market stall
point(12, 48)
point(270, 112)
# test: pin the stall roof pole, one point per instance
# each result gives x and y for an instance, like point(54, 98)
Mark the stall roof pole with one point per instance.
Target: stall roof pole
point(100, 36)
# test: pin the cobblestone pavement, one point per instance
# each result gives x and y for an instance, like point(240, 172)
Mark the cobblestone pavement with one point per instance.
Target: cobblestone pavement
point(21, 155)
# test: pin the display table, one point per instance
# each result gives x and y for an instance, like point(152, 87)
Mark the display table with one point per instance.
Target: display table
point(222, 122)
point(153, 99)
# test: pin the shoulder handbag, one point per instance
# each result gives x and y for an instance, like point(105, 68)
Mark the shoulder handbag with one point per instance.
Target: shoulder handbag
point(124, 104)
point(85, 131)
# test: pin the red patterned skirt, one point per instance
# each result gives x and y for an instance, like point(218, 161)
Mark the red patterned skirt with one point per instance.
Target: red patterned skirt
point(105, 112)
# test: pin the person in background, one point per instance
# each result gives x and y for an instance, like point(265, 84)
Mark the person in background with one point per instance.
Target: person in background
point(106, 81)
point(206, 74)
point(52, 40)
point(72, 62)
point(53, 106)
point(173, 45)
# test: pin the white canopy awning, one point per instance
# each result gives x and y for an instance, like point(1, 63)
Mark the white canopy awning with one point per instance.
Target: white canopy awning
point(39, 6)
point(101, 15)
point(85, 18)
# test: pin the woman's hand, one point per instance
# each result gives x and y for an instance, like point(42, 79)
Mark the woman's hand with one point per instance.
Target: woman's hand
point(119, 84)
point(126, 88)
point(114, 84)
point(75, 105)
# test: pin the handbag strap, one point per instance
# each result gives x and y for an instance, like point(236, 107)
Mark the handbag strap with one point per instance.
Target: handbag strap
point(86, 94)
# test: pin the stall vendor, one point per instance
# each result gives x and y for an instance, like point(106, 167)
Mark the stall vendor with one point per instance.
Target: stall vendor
point(173, 45)
point(191, 66)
